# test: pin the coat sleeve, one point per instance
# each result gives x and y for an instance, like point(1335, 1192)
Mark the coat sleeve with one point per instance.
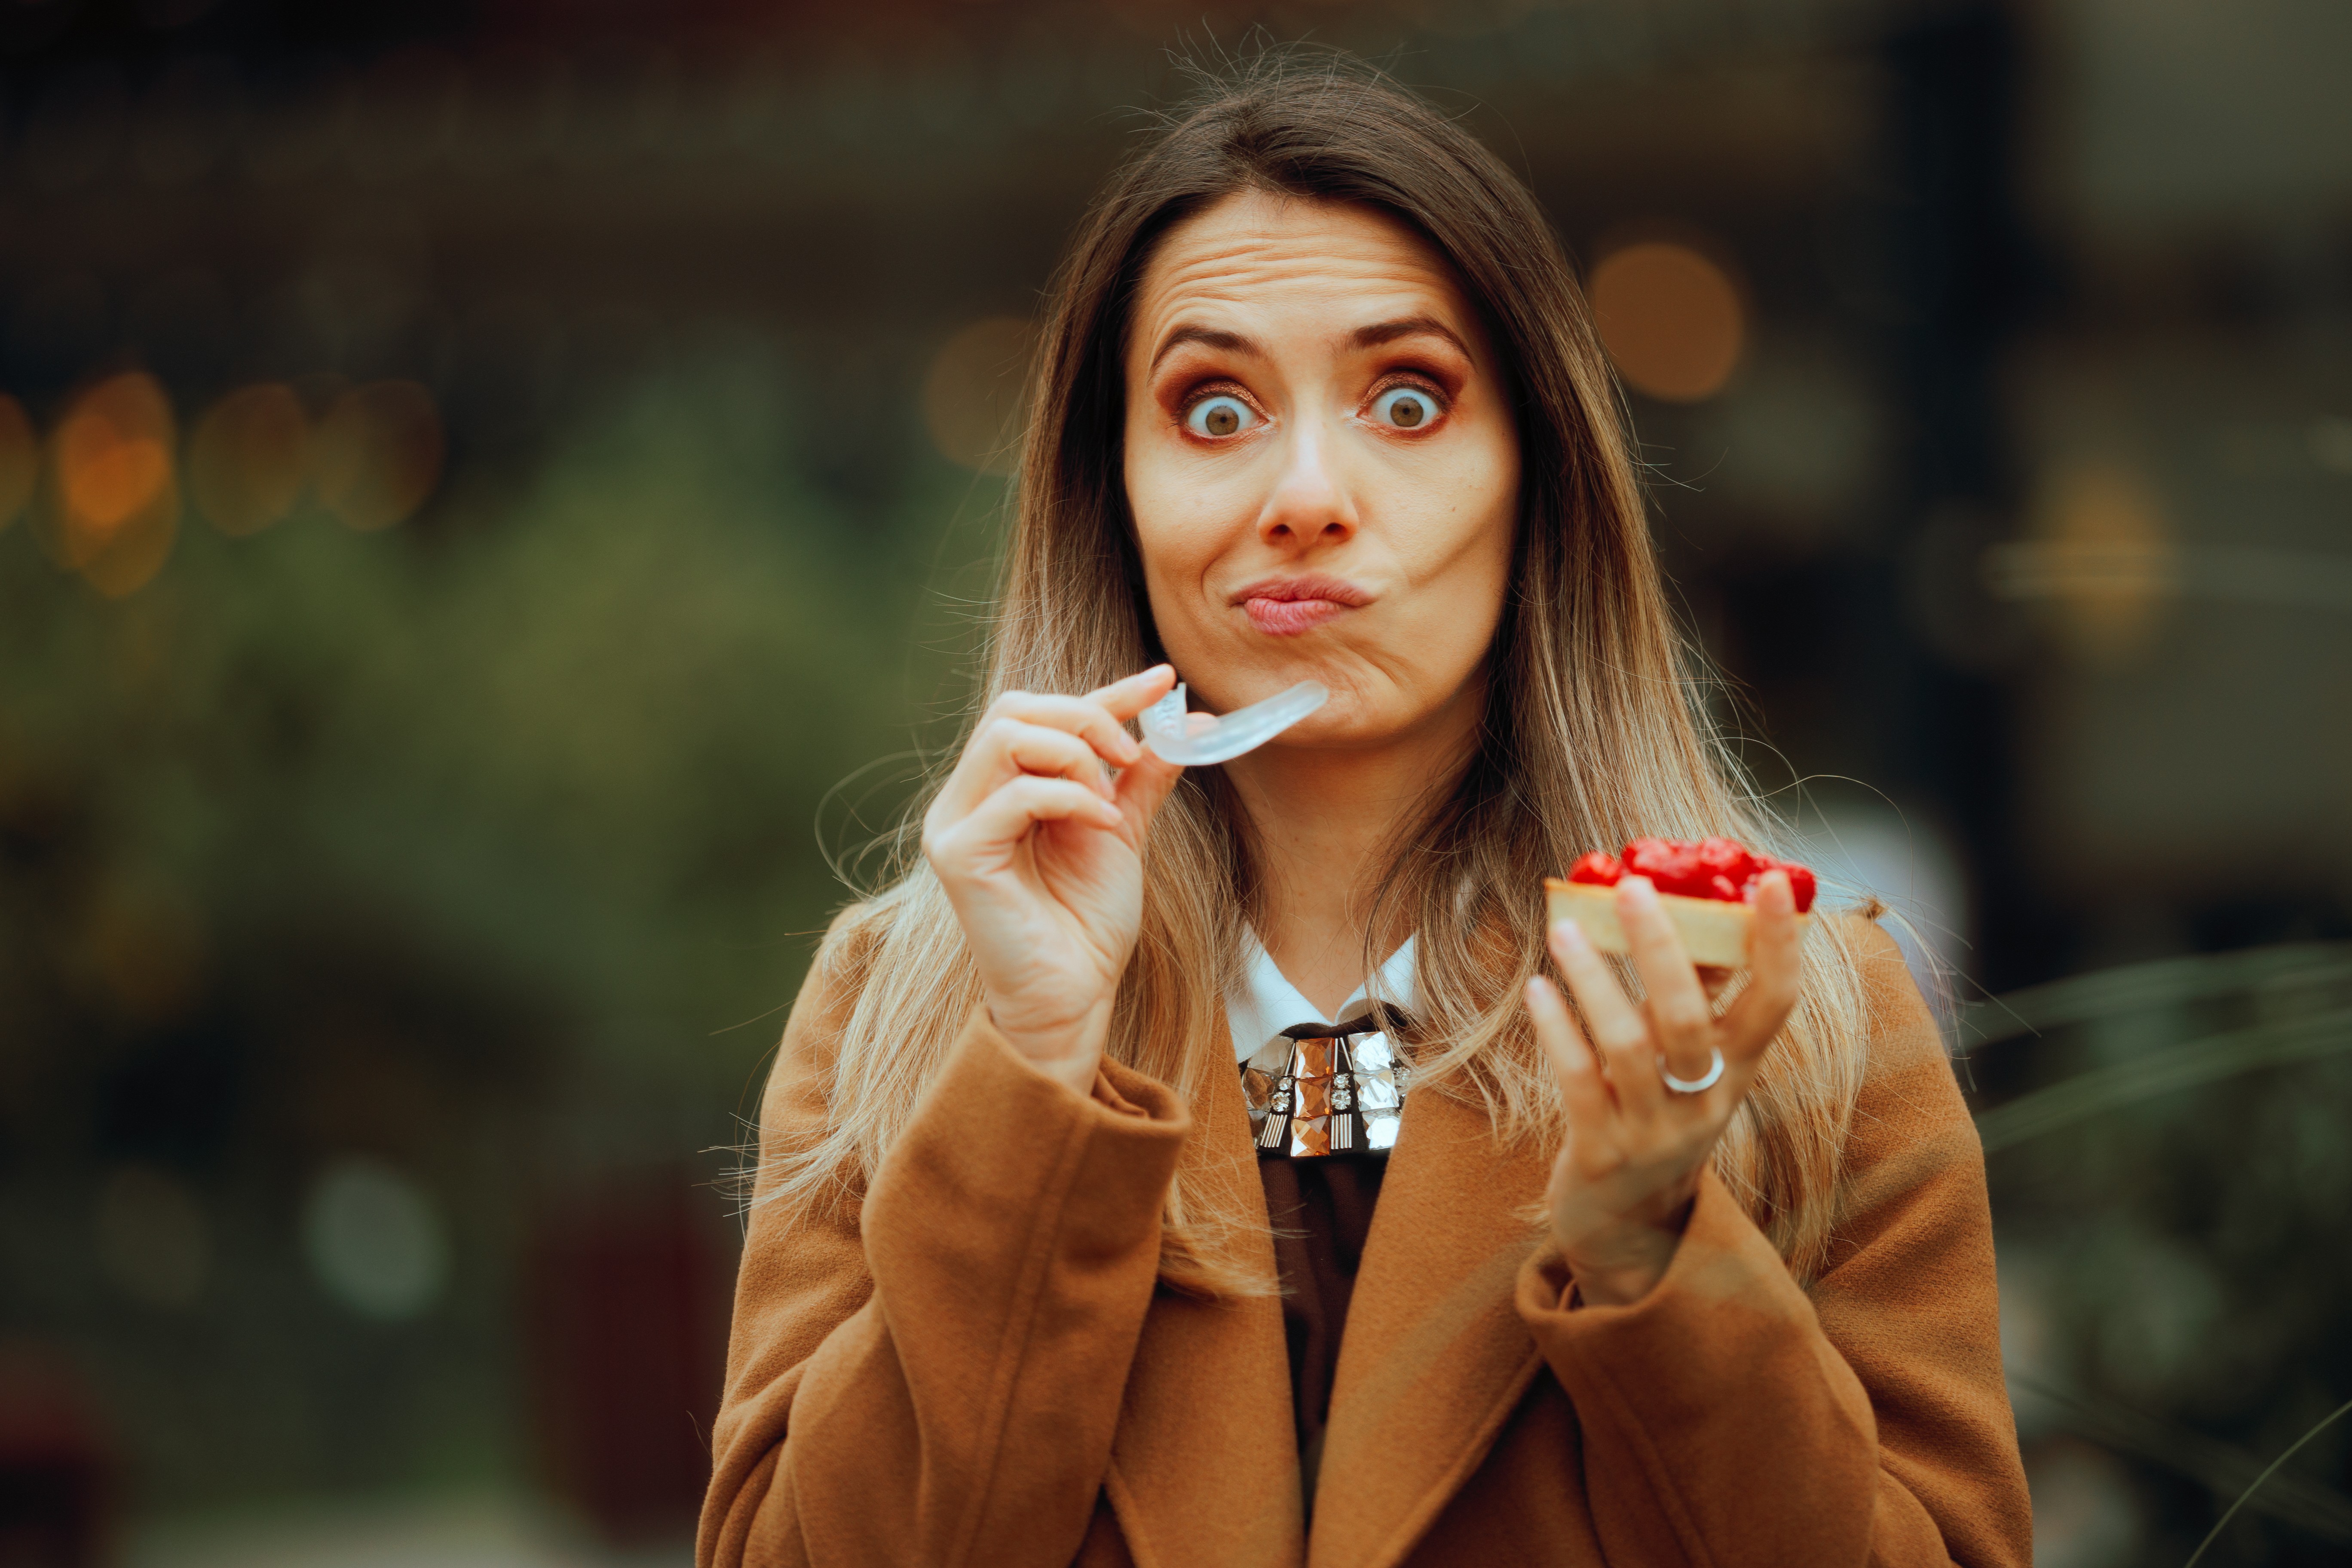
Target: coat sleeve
point(928, 1372)
point(1732, 1417)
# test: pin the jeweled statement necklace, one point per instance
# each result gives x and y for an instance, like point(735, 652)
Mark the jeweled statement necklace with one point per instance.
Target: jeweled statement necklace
point(1328, 1088)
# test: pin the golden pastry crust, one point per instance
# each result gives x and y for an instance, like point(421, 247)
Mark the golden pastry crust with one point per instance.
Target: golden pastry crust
point(1714, 932)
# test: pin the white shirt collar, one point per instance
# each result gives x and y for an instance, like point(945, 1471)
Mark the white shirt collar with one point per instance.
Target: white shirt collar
point(1265, 1003)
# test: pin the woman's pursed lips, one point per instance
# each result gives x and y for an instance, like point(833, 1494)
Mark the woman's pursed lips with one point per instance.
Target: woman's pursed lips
point(1285, 606)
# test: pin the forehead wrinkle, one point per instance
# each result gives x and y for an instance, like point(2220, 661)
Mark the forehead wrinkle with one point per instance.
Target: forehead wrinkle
point(1421, 304)
point(1222, 275)
point(1237, 265)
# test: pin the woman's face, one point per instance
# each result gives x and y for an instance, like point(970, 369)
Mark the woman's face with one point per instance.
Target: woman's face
point(1322, 465)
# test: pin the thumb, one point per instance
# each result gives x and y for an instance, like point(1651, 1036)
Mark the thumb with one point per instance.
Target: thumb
point(1143, 787)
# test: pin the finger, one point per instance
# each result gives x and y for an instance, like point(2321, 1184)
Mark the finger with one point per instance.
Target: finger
point(1775, 969)
point(1049, 754)
point(1123, 699)
point(1004, 747)
point(1013, 808)
point(1080, 716)
point(1142, 788)
point(1679, 1014)
point(1582, 1090)
point(1614, 1024)
point(984, 763)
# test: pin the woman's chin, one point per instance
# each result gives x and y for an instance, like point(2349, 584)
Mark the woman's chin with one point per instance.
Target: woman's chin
point(1367, 708)
point(1344, 724)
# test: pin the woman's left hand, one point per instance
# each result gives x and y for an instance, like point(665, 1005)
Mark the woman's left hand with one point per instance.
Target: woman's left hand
point(1623, 1187)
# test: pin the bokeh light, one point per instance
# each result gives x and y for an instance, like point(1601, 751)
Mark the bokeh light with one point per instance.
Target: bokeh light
point(971, 396)
point(248, 459)
point(1670, 319)
point(2104, 559)
point(20, 459)
point(375, 1242)
point(116, 498)
point(379, 453)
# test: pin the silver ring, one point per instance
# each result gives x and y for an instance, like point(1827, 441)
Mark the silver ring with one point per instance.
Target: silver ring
point(1692, 1085)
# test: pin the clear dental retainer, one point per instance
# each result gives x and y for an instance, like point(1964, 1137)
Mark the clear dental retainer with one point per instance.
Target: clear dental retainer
point(1197, 740)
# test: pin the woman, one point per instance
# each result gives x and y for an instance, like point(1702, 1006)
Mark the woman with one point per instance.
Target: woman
point(1035, 1275)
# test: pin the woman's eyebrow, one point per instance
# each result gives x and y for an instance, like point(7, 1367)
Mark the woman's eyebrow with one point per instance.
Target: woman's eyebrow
point(1214, 337)
point(1369, 337)
point(1380, 332)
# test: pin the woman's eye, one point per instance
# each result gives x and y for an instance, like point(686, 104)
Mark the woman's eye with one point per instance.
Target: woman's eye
point(1220, 416)
point(1404, 407)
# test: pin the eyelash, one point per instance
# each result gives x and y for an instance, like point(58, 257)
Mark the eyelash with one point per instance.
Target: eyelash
point(1208, 389)
point(1419, 380)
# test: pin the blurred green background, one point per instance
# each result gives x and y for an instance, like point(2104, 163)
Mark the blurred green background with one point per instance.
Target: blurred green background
point(495, 498)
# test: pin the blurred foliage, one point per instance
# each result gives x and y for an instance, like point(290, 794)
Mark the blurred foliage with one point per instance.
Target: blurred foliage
point(2169, 1166)
point(483, 846)
point(583, 729)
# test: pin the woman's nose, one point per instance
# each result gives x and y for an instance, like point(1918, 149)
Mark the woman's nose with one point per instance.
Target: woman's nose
point(1310, 503)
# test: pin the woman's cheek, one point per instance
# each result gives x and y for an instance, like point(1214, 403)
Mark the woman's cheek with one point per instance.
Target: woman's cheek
point(1174, 565)
point(1463, 567)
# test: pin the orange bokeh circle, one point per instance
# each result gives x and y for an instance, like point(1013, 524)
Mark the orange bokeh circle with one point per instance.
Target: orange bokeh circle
point(1671, 318)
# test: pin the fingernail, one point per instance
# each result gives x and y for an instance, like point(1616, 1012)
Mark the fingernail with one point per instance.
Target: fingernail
point(1570, 935)
point(1641, 888)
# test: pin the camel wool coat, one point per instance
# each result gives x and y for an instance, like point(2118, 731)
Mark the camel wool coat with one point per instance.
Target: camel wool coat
point(973, 1361)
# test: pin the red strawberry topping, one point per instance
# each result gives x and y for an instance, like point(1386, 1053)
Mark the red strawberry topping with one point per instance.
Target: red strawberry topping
point(1721, 869)
point(1803, 884)
point(1600, 870)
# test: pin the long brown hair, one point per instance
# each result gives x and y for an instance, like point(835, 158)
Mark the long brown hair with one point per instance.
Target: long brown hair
point(1594, 731)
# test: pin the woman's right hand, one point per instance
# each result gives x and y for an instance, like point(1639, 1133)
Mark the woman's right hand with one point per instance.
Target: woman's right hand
point(1041, 854)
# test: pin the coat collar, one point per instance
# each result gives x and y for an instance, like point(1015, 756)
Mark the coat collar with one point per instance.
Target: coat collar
point(1204, 1463)
point(1433, 1359)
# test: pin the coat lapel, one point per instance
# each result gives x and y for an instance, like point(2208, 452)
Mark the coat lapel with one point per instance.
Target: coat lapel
point(1204, 1464)
point(1434, 1356)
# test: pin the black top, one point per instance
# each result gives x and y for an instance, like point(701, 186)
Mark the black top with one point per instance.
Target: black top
point(1321, 1210)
